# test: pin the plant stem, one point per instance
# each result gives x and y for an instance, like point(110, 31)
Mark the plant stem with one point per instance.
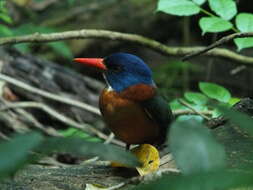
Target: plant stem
point(207, 12)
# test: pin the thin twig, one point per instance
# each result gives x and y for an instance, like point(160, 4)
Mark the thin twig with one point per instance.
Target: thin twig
point(194, 110)
point(238, 69)
point(62, 118)
point(110, 138)
point(190, 112)
point(30, 118)
point(217, 43)
point(27, 117)
point(137, 39)
point(49, 95)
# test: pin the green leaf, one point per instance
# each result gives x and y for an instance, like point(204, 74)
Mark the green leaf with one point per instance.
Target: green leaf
point(233, 101)
point(3, 8)
point(226, 9)
point(215, 91)
point(5, 31)
point(214, 24)
point(72, 132)
point(6, 18)
point(16, 152)
point(179, 8)
point(79, 147)
point(199, 2)
point(175, 105)
point(244, 22)
point(24, 47)
point(243, 43)
point(216, 113)
point(221, 179)
point(196, 98)
point(61, 48)
point(194, 148)
point(32, 28)
point(71, 2)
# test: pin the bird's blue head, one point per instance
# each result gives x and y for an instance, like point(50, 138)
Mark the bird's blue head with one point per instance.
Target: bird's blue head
point(121, 70)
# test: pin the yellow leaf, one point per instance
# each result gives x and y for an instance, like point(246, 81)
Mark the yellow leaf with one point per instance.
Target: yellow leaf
point(148, 155)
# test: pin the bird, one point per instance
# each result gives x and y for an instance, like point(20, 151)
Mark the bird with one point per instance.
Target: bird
point(130, 104)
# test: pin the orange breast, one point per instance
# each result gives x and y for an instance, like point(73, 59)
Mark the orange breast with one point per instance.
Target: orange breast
point(127, 119)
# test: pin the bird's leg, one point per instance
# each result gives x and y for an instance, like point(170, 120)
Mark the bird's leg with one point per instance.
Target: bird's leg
point(128, 147)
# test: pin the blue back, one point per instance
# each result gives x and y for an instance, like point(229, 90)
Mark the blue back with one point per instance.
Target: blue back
point(125, 70)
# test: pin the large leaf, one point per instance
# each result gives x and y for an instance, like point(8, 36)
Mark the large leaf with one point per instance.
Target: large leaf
point(179, 8)
point(226, 9)
point(16, 152)
point(196, 98)
point(221, 179)
point(215, 91)
point(199, 2)
point(79, 147)
point(194, 148)
point(214, 24)
point(244, 22)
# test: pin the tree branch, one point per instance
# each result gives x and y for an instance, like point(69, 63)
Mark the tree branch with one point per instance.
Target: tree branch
point(218, 43)
point(81, 126)
point(137, 39)
point(49, 95)
point(184, 103)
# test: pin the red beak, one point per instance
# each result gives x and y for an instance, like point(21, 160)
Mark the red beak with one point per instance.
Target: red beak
point(92, 62)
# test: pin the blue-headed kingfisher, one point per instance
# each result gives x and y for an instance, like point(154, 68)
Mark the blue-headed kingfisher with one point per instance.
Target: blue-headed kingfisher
point(129, 104)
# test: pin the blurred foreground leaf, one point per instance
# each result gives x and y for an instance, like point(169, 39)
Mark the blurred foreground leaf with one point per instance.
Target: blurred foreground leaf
point(242, 120)
point(221, 179)
point(16, 152)
point(194, 148)
point(79, 147)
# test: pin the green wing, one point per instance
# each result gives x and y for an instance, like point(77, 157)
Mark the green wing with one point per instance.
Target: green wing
point(159, 111)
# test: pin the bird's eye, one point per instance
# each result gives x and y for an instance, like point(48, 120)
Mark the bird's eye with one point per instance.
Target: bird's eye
point(115, 68)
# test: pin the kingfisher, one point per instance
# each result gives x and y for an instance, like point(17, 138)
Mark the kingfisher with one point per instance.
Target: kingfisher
point(130, 104)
